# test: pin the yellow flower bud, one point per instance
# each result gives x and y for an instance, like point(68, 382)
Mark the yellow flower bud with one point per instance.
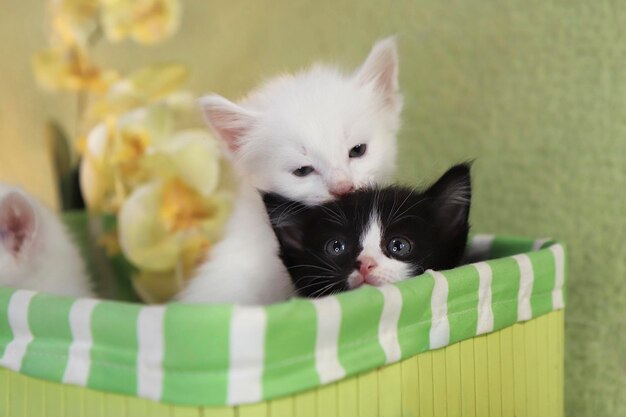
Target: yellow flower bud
point(145, 21)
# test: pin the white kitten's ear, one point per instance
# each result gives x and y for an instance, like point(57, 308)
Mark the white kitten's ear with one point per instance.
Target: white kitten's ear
point(381, 68)
point(229, 121)
point(18, 224)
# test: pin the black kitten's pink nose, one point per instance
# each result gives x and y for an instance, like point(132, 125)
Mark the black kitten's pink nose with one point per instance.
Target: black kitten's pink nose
point(366, 264)
point(340, 188)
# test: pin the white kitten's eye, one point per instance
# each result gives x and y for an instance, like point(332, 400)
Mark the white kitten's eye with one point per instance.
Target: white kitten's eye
point(358, 151)
point(399, 247)
point(335, 247)
point(303, 171)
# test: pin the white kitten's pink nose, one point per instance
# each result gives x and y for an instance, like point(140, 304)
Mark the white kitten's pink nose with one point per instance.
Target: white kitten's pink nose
point(340, 188)
point(366, 265)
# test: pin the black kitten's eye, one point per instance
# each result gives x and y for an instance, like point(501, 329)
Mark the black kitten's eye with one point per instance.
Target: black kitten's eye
point(303, 171)
point(399, 246)
point(335, 247)
point(358, 151)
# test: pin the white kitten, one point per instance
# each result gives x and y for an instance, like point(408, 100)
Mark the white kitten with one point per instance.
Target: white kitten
point(309, 137)
point(36, 252)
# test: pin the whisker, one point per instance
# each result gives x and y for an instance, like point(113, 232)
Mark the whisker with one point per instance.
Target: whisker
point(325, 262)
point(393, 214)
point(315, 284)
point(338, 216)
point(393, 219)
point(311, 266)
point(321, 290)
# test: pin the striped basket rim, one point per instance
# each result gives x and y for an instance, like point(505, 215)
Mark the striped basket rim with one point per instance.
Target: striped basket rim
point(209, 355)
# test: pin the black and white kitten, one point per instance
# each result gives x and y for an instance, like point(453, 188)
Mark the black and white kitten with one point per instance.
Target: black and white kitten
point(374, 235)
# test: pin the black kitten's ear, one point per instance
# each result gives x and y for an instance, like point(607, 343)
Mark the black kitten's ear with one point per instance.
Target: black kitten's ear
point(286, 218)
point(451, 196)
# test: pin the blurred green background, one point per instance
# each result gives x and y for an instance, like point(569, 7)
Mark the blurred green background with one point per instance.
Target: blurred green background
point(534, 90)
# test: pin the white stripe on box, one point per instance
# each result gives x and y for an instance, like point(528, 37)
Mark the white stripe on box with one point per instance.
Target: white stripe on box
point(388, 325)
point(524, 310)
point(440, 326)
point(79, 360)
point(17, 314)
point(485, 312)
point(328, 311)
point(559, 279)
point(479, 247)
point(150, 335)
point(538, 243)
point(247, 351)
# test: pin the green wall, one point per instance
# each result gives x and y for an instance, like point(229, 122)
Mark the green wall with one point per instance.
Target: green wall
point(534, 90)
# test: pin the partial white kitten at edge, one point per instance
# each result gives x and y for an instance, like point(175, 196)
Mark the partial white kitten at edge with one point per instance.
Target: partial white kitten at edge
point(36, 251)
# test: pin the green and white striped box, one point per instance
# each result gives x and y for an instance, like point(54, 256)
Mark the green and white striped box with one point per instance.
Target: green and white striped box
point(211, 358)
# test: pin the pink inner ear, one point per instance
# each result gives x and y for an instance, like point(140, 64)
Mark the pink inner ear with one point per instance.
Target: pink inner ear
point(228, 126)
point(229, 121)
point(17, 223)
point(381, 68)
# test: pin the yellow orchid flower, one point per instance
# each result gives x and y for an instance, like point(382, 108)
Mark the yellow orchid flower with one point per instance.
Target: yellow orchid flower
point(96, 176)
point(191, 155)
point(145, 21)
point(70, 69)
point(159, 287)
point(165, 229)
point(144, 239)
point(166, 226)
point(74, 20)
point(156, 287)
point(171, 191)
point(145, 86)
point(111, 166)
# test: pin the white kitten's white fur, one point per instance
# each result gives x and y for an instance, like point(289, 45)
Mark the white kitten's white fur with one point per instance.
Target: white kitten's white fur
point(313, 118)
point(36, 252)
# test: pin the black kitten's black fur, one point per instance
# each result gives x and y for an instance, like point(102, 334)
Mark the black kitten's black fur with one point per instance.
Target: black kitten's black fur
point(434, 221)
